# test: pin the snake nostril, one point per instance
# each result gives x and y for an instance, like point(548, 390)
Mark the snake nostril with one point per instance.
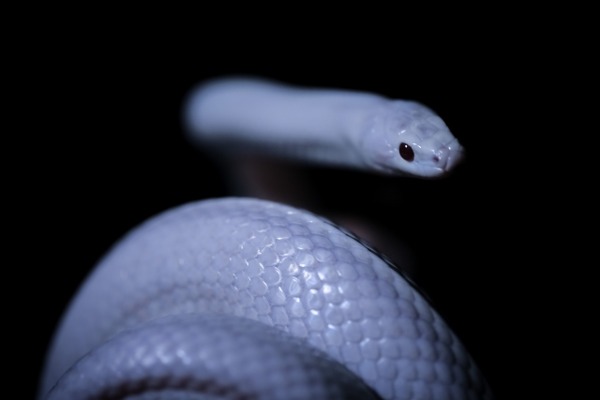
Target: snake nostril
point(440, 158)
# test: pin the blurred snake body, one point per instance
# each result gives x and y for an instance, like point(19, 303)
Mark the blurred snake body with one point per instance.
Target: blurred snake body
point(240, 298)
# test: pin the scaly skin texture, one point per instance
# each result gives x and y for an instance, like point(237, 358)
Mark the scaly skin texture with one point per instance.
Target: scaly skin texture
point(252, 259)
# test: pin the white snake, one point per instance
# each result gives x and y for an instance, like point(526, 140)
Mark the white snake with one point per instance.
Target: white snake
point(240, 298)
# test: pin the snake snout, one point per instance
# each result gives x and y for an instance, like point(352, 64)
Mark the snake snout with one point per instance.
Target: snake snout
point(447, 157)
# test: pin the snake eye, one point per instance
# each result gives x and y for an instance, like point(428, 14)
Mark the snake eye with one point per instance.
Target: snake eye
point(406, 152)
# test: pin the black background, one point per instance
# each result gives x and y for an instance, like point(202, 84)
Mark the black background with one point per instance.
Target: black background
point(104, 150)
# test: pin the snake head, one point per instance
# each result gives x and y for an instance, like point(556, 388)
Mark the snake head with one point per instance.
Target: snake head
point(407, 138)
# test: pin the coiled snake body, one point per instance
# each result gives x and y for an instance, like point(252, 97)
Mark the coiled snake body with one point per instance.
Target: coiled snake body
point(240, 298)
